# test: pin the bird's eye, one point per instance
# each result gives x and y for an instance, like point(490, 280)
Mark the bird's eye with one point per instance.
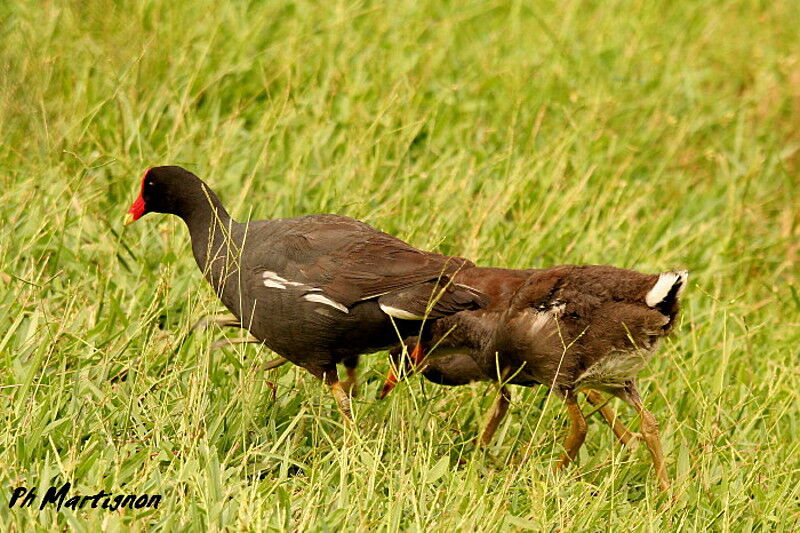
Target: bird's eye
point(150, 183)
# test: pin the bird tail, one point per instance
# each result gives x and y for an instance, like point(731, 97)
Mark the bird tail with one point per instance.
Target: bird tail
point(666, 292)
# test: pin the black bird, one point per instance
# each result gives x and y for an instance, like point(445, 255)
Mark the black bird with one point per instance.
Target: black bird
point(315, 289)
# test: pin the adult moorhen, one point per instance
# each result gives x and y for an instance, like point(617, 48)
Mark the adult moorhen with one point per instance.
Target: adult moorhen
point(316, 289)
point(571, 328)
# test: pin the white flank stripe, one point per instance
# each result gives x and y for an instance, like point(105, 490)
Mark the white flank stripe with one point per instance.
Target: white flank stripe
point(399, 313)
point(274, 284)
point(271, 279)
point(665, 282)
point(320, 299)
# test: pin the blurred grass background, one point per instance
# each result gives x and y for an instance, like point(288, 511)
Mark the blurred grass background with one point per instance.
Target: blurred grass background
point(648, 135)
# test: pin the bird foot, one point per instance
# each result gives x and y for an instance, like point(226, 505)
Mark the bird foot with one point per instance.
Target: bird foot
point(350, 386)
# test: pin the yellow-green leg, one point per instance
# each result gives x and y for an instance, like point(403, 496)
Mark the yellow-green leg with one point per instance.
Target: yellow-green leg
point(577, 431)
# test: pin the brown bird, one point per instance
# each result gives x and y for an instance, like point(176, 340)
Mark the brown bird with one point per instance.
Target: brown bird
point(571, 328)
point(456, 369)
point(316, 289)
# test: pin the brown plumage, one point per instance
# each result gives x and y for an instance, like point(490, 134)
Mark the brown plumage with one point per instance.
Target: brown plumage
point(571, 328)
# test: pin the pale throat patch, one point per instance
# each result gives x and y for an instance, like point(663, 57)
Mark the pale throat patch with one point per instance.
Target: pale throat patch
point(614, 369)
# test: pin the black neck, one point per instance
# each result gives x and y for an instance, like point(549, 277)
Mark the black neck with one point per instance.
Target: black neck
point(214, 236)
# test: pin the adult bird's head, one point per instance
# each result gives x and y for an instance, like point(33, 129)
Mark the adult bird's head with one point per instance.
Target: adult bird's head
point(169, 189)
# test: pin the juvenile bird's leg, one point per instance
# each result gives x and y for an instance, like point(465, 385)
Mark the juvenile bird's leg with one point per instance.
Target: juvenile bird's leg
point(650, 434)
point(415, 358)
point(350, 385)
point(331, 377)
point(224, 321)
point(231, 321)
point(274, 363)
point(577, 431)
point(623, 434)
point(220, 320)
point(237, 340)
point(389, 384)
point(498, 413)
point(417, 355)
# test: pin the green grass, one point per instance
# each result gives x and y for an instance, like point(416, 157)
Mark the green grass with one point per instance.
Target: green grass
point(649, 135)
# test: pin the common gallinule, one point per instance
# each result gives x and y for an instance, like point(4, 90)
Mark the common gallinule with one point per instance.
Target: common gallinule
point(316, 289)
point(571, 328)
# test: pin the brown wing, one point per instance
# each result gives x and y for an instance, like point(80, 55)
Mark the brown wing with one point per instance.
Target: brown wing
point(382, 264)
point(582, 286)
point(351, 261)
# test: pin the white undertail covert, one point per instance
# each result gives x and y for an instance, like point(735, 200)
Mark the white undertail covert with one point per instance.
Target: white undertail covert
point(665, 282)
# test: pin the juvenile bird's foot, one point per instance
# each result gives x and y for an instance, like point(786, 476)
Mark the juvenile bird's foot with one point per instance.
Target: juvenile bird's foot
point(350, 387)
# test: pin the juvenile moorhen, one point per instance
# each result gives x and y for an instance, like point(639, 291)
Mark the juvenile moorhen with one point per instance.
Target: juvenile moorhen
point(316, 289)
point(571, 328)
point(460, 368)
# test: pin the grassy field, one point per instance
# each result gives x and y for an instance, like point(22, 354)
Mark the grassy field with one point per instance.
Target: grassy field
point(649, 135)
